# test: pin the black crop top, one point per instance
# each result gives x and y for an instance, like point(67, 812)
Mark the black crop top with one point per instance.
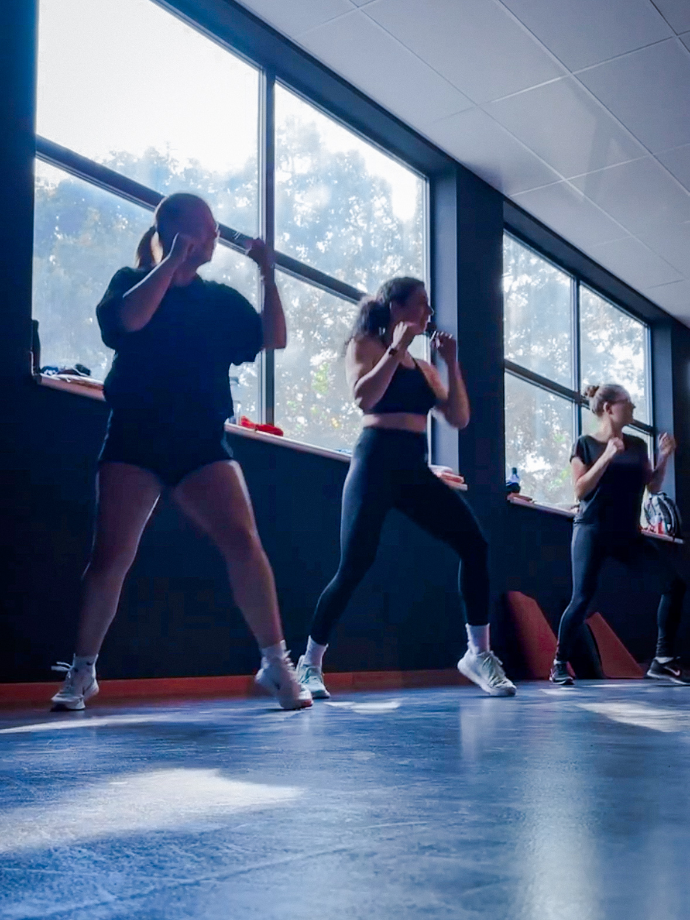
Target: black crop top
point(408, 391)
point(178, 364)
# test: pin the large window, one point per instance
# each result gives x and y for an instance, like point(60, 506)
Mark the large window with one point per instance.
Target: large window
point(561, 336)
point(117, 131)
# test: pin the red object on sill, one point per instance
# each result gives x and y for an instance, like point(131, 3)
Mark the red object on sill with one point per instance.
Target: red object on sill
point(257, 426)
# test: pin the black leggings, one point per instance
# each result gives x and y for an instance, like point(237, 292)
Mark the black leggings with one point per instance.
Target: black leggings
point(590, 548)
point(389, 470)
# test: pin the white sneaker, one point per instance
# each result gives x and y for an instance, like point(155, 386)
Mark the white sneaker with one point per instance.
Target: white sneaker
point(311, 677)
point(486, 671)
point(79, 685)
point(278, 677)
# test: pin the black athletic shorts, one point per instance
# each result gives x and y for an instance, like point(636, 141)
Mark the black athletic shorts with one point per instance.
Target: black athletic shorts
point(170, 451)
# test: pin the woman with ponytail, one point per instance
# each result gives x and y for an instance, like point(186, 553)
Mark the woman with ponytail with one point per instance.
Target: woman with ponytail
point(175, 337)
point(610, 472)
point(389, 469)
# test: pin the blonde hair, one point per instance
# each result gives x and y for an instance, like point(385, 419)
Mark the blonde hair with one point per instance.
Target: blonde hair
point(169, 213)
point(598, 396)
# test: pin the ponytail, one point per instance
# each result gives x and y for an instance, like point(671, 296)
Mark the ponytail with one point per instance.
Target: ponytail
point(145, 257)
point(374, 314)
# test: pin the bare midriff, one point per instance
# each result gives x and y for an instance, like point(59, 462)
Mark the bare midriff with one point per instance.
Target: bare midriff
point(396, 421)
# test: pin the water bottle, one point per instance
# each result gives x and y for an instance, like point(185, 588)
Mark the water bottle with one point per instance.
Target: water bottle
point(513, 481)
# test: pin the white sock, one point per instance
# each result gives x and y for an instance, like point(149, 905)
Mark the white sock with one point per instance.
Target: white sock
point(275, 652)
point(84, 662)
point(478, 638)
point(663, 659)
point(313, 657)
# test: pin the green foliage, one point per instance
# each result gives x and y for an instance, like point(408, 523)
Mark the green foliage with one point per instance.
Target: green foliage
point(333, 213)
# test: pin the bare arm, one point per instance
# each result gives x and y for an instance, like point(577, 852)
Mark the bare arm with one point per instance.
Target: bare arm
point(453, 403)
point(272, 313)
point(141, 302)
point(369, 372)
point(667, 445)
point(587, 478)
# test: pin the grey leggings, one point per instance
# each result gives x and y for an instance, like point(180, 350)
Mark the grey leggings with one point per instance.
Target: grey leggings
point(389, 470)
point(590, 548)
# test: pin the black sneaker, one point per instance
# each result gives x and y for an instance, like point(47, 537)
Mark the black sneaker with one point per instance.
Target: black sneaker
point(560, 674)
point(669, 670)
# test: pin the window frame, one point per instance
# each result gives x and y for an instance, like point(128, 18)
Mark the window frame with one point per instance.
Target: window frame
point(244, 45)
point(574, 395)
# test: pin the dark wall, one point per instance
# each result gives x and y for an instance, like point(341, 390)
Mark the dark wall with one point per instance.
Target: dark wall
point(177, 616)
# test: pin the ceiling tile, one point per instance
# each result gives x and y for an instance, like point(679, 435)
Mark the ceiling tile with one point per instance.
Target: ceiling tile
point(671, 241)
point(637, 194)
point(298, 15)
point(677, 161)
point(566, 211)
point(591, 31)
point(649, 92)
point(676, 13)
point(674, 298)
point(632, 262)
point(568, 129)
point(476, 44)
point(686, 40)
point(482, 145)
point(367, 56)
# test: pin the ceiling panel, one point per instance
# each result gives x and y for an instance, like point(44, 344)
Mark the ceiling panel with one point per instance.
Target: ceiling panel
point(676, 13)
point(479, 143)
point(674, 297)
point(568, 212)
point(677, 161)
point(637, 194)
point(649, 91)
point(591, 31)
point(297, 15)
point(634, 263)
point(453, 34)
point(671, 241)
point(366, 55)
point(686, 40)
point(566, 127)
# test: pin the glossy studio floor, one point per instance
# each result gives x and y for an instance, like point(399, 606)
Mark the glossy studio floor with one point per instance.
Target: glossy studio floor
point(571, 804)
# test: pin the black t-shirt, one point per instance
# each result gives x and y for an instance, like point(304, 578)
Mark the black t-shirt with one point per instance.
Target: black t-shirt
point(178, 365)
point(615, 502)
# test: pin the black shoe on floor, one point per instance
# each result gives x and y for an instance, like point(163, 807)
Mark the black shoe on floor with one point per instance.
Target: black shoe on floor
point(669, 670)
point(560, 674)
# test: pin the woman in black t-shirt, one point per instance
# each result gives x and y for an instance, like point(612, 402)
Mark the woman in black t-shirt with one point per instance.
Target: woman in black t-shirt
point(175, 336)
point(611, 471)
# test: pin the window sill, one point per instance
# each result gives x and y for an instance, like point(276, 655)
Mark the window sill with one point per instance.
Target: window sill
point(93, 390)
point(562, 512)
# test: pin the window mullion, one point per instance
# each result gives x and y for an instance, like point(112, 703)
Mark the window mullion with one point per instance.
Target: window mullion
point(267, 226)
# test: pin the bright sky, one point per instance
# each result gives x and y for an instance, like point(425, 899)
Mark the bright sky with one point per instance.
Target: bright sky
point(128, 75)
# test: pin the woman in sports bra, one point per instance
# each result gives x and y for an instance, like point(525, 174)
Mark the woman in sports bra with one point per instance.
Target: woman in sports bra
point(389, 469)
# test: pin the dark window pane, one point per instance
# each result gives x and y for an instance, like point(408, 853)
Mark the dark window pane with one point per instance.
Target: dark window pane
point(538, 314)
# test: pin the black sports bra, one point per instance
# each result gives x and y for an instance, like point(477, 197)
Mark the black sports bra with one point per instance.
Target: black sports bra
point(408, 391)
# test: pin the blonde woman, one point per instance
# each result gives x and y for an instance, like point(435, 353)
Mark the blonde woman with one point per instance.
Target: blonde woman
point(611, 471)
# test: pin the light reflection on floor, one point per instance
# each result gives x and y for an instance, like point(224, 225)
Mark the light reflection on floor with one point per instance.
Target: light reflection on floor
point(559, 804)
point(134, 803)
